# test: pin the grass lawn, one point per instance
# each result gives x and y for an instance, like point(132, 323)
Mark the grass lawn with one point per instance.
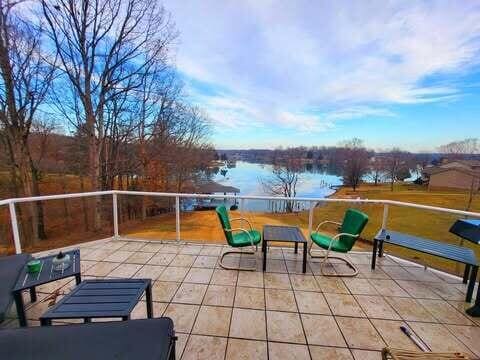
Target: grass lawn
point(203, 226)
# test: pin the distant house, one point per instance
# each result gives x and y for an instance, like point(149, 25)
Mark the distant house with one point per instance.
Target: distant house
point(458, 174)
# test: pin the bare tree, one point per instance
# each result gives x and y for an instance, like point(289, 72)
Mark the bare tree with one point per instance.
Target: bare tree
point(25, 82)
point(105, 49)
point(355, 162)
point(285, 176)
point(396, 161)
point(376, 171)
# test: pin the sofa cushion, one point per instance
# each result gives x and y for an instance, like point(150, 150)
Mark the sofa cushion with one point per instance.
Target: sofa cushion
point(10, 267)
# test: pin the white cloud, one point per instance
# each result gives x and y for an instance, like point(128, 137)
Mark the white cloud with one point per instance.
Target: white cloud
point(279, 60)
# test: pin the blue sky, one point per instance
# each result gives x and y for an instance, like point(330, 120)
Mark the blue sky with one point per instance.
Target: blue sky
point(288, 73)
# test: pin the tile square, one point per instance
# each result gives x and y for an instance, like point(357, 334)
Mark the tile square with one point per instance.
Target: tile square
point(102, 268)
point(219, 295)
point(312, 303)
point(284, 327)
point(163, 291)
point(360, 286)
point(183, 260)
point(469, 335)
point(248, 324)
point(327, 353)
point(366, 355)
point(191, 249)
point(365, 271)
point(360, 333)
point(276, 266)
point(96, 254)
point(437, 337)
point(125, 270)
point(392, 335)
point(119, 256)
point(280, 300)
point(149, 272)
point(201, 347)
point(418, 289)
point(376, 307)
point(139, 258)
point(161, 259)
point(140, 310)
point(183, 316)
point(296, 267)
point(203, 261)
point(444, 312)
point(238, 349)
point(133, 246)
point(250, 279)
point(224, 277)
point(212, 320)
point(190, 293)
point(388, 288)
point(397, 272)
point(279, 351)
point(152, 247)
point(199, 275)
point(211, 250)
point(409, 309)
point(277, 281)
point(322, 330)
point(173, 273)
point(304, 282)
point(171, 248)
point(249, 298)
point(332, 285)
point(344, 305)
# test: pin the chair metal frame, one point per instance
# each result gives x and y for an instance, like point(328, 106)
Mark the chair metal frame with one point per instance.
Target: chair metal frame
point(326, 256)
point(252, 252)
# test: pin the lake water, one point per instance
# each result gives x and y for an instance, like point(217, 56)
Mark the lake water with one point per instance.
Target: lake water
point(248, 176)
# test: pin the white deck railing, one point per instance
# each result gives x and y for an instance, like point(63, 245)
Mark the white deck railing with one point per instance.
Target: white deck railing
point(114, 193)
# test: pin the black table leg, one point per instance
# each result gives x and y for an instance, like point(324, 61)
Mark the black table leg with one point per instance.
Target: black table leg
point(148, 295)
point(33, 294)
point(17, 295)
point(304, 257)
point(466, 273)
point(45, 322)
point(78, 279)
point(265, 247)
point(374, 253)
point(380, 248)
point(475, 309)
point(125, 318)
point(296, 247)
point(87, 320)
point(471, 283)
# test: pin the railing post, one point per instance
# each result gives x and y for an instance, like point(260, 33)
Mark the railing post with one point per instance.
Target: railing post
point(115, 216)
point(385, 216)
point(242, 206)
point(310, 217)
point(177, 217)
point(16, 234)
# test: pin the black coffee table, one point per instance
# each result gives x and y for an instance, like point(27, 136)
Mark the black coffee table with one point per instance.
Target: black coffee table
point(46, 275)
point(283, 234)
point(105, 298)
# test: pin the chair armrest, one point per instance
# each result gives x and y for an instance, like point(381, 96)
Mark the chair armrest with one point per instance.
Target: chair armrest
point(242, 230)
point(243, 219)
point(338, 236)
point(327, 222)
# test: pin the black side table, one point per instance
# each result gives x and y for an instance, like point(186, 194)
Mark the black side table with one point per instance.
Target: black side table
point(46, 275)
point(104, 298)
point(283, 234)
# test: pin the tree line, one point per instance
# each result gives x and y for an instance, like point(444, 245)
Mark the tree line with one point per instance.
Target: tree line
point(89, 88)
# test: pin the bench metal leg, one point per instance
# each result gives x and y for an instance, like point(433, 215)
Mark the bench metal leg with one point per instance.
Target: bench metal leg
point(466, 273)
point(238, 268)
point(471, 283)
point(33, 294)
point(374, 253)
point(22, 319)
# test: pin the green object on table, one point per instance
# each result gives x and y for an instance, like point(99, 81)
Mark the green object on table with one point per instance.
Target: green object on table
point(33, 266)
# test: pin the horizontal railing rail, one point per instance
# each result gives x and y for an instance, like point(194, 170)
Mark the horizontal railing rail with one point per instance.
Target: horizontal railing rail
point(114, 193)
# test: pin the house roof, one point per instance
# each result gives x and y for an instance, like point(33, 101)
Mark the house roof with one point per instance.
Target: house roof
point(434, 170)
point(212, 187)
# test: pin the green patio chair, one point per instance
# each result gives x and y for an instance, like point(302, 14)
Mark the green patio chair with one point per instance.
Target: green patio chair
point(238, 237)
point(350, 229)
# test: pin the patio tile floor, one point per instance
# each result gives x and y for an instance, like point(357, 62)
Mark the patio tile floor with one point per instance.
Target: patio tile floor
point(282, 313)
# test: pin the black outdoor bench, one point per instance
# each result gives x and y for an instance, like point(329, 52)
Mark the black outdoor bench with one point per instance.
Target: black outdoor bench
point(146, 339)
point(447, 251)
point(10, 268)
